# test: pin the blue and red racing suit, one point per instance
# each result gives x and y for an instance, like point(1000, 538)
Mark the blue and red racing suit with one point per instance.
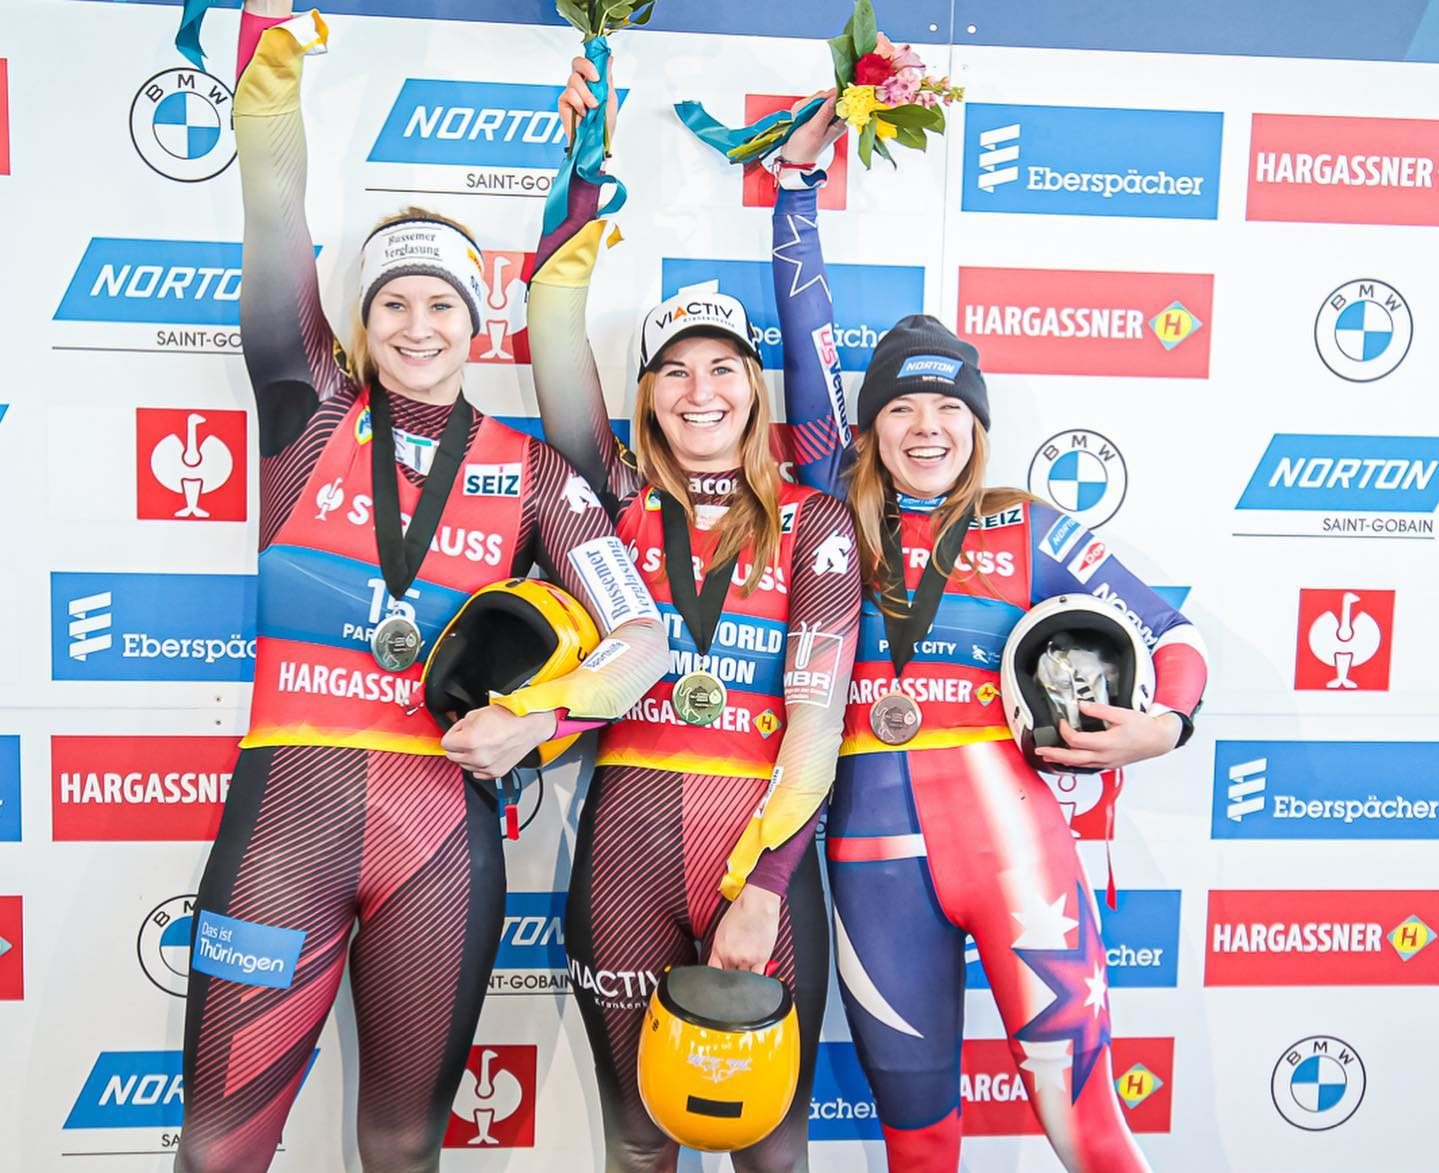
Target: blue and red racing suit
point(954, 835)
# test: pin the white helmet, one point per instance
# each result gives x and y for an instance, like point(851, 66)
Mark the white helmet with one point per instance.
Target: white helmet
point(1068, 649)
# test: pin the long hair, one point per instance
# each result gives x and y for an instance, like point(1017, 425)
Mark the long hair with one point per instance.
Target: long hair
point(752, 518)
point(873, 502)
point(357, 363)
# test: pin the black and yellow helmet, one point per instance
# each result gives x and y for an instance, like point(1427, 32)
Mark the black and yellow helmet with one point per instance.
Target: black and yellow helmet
point(510, 634)
point(718, 1057)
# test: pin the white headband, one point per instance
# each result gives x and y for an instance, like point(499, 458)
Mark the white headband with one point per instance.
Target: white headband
point(428, 248)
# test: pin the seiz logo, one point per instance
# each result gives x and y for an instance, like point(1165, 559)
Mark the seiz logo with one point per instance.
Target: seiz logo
point(1088, 161)
point(1344, 640)
point(1326, 170)
point(503, 336)
point(1326, 790)
point(12, 949)
point(1087, 322)
point(871, 298)
point(173, 282)
point(995, 1095)
point(136, 789)
point(494, 1106)
point(759, 185)
point(492, 480)
point(1335, 938)
point(190, 465)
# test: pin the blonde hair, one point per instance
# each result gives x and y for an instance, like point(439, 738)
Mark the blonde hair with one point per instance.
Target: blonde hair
point(752, 518)
point(873, 502)
point(356, 362)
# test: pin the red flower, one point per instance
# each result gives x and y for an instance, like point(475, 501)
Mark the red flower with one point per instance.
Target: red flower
point(872, 70)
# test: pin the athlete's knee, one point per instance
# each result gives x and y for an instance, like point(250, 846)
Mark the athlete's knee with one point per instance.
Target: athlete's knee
point(399, 1149)
point(220, 1156)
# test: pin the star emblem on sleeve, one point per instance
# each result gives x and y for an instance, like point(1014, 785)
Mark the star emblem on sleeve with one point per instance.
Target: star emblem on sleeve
point(791, 253)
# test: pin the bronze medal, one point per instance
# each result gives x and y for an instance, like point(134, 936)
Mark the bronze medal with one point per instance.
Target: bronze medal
point(895, 718)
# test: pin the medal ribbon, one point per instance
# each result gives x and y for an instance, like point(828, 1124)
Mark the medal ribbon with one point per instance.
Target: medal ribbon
point(904, 631)
point(700, 611)
point(402, 550)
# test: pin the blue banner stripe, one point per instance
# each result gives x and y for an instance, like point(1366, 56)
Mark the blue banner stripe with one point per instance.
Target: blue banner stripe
point(965, 631)
point(748, 669)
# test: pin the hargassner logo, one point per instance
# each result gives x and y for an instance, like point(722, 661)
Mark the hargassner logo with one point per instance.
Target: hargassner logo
point(471, 136)
point(1090, 161)
point(152, 626)
point(998, 153)
point(871, 299)
point(89, 625)
point(1326, 790)
point(1349, 486)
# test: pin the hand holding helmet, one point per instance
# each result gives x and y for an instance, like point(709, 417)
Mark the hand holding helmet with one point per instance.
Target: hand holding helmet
point(1131, 737)
point(747, 932)
point(490, 742)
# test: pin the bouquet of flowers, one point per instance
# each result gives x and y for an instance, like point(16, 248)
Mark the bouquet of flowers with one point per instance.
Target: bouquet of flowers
point(884, 94)
point(598, 18)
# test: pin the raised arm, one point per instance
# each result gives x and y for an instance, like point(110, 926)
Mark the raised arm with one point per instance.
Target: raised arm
point(567, 382)
point(813, 390)
point(289, 347)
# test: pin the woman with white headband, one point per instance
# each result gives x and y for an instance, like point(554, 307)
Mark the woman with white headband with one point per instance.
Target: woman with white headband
point(699, 823)
point(350, 828)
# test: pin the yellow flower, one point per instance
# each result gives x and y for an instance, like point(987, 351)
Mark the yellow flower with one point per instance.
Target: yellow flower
point(883, 129)
point(857, 104)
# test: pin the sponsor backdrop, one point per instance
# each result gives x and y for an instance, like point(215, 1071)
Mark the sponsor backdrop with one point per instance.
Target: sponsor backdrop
point(1195, 248)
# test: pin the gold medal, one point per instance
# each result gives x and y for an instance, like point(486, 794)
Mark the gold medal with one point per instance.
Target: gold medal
point(698, 698)
point(894, 718)
point(396, 643)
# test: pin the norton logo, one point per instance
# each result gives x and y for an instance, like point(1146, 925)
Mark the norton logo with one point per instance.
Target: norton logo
point(507, 138)
point(495, 1104)
point(1363, 330)
point(1083, 473)
point(164, 944)
point(531, 957)
point(1318, 1083)
point(180, 124)
point(190, 465)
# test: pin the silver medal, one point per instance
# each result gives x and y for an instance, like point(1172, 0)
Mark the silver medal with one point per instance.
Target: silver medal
point(396, 643)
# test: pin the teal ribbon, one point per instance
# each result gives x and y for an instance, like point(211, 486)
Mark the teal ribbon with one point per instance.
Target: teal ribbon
point(586, 156)
point(739, 146)
point(187, 40)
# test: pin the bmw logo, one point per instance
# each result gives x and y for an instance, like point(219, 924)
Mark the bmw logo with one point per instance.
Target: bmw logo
point(1318, 1083)
point(164, 944)
point(180, 123)
point(1083, 473)
point(1363, 330)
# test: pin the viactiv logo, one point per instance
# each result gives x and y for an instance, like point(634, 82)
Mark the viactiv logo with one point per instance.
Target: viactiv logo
point(1091, 161)
point(152, 626)
point(1141, 941)
point(1326, 790)
point(995, 1096)
point(1347, 486)
point(870, 298)
point(136, 1089)
point(507, 137)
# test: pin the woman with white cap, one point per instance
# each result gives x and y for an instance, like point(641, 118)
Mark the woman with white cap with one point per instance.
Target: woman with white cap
point(351, 829)
point(699, 824)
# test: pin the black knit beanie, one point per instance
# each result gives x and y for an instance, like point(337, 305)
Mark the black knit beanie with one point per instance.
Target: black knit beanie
point(920, 354)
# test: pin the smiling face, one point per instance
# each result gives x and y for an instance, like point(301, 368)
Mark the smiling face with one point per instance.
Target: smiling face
point(418, 337)
point(702, 401)
point(925, 440)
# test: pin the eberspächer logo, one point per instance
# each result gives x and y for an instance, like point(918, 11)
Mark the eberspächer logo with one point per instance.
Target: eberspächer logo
point(1318, 1083)
point(1363, 330)
point(1326, 790)
point(1083, 473)
point(181, 126)
point(1344, 486)
point(1090, 161)
point(163, 944)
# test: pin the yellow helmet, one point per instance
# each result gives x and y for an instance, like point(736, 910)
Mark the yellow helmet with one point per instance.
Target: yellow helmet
point(718, 1057)
point(507, 635)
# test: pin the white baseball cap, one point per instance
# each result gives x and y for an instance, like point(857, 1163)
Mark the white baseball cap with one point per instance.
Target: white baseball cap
point(693, 310)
